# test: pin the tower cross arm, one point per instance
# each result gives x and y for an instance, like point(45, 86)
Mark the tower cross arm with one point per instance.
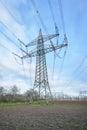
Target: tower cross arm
point(54, 47)
point(42, 52)
point(45, 38)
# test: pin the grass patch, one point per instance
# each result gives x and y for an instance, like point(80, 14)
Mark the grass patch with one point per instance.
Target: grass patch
point(33, 103)
point(12, 104)
point(43, 103)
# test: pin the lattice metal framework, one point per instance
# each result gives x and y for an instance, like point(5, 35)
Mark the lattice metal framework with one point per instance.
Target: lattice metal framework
point(83, 93)
point(41, 83)
point(41, 75)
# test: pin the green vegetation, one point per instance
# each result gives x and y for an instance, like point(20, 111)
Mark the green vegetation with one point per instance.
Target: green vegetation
point(33, 103)
point(65, 104)
point(12, 97)
point(10, 104)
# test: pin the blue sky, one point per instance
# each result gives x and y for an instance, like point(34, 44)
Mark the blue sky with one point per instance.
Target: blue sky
point(21, 19)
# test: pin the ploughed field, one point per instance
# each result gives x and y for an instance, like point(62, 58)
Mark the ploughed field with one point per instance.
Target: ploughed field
point(58, 116)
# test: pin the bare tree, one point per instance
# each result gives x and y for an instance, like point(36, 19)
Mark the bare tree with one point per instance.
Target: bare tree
point(31, 94)
point(14, 90)
point(2, 91)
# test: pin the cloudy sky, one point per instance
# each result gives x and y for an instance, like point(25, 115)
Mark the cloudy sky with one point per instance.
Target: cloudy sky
point(19, 19)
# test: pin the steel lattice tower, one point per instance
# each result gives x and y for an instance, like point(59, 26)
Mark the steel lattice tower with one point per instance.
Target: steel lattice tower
point(41, 84)
point(41, 76)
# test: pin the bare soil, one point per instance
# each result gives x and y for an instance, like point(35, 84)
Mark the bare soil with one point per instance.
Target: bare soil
point(62, 116)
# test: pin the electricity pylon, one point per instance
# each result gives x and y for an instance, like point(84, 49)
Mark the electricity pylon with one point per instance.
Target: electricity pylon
point(83, 93)
point(41, 83)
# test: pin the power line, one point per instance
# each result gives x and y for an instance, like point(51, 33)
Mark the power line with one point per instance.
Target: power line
point(23, 63)
point(56, 54)
point(30, 69)
point(8, 29)
point(55, 27)
point(8, 38)
point(82, 62)
point(14, 19)
point(5, 48)
point(65, 38)
point(61, 68)
point(53, 71)
point(51, 9)
point(39, 15)
point(15, 55)
point(9, 11)
point(75, 71)
point(42, 22)
point(32, 13)
point(53, 17)
point(12, 33)
point(24, 72)
point(62, 16)
point(8, 49)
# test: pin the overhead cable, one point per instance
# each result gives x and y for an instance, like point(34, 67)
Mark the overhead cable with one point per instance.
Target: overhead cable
point(82, 62)
point(12, 33)
point(32, 13)
point(38, 13)
point(77, 69)
point(24, 72)
point(8, 38)
point(9, 11)
point(10, 52)
point(51, 9)
point(13, 18)
point(62, 16)
point(56, 28)
point(5, 47)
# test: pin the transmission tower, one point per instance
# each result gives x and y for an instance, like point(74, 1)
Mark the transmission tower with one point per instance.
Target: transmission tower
point(41, 83)
point(41, 76)
point(83, 93)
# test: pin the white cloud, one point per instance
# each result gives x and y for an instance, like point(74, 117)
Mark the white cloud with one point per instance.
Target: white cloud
point(70, 88)
point(4, 15)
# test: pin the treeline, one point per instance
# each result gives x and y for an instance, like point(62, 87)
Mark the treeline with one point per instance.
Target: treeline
point(13, 95)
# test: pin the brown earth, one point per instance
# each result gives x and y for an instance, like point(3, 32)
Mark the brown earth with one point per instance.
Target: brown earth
point(62, 116)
